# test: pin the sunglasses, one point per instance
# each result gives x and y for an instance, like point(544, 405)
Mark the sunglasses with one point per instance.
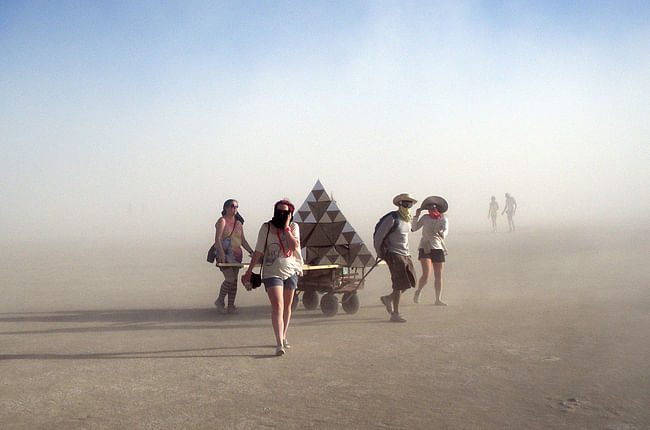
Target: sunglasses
point(406, 204)
point(234, 206)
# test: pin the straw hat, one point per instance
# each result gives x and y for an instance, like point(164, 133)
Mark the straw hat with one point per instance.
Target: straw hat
point(437, 201)
point(403, 197)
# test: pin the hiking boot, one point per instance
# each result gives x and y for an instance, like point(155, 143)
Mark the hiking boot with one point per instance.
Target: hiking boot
point(416, 296)
point(396, 317)
point(386, 302)
point(221, 307)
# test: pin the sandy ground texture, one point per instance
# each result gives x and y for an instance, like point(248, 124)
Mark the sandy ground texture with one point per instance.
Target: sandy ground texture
point(544, 329)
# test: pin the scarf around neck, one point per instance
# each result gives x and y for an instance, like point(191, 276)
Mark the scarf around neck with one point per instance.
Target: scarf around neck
point(404, 213)
point(434, 214)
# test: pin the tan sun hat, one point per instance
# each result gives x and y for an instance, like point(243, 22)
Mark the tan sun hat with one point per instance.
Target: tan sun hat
point(402, 197)
point(437, 201)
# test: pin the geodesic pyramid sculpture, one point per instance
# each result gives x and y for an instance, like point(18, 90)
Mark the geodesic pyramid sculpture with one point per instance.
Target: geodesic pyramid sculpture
point(326, 237)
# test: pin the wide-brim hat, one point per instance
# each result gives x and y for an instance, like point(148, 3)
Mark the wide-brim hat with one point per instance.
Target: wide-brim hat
point(437, 201)
point(403, 197)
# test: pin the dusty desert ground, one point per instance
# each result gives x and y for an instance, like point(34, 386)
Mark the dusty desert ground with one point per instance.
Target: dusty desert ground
point(544, 329)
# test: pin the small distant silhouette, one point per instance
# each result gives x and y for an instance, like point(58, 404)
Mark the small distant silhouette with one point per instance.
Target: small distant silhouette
point(510, 209)
point(493, 211)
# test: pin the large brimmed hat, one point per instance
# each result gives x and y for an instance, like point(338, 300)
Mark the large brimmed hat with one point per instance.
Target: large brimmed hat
point(403, 197)
point(435, 201)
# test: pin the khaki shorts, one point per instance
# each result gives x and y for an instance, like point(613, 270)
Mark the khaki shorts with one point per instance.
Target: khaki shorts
point(402, 272)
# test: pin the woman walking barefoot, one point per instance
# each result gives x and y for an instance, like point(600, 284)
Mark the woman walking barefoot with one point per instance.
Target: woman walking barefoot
point(431, 251)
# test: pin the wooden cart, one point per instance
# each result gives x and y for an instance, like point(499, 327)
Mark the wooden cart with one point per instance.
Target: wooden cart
point(330, 281)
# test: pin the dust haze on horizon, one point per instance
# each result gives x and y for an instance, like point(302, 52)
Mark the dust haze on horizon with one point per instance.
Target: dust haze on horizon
point(138, 120)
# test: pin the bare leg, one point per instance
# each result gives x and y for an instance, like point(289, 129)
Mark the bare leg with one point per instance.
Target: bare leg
point(277, 305)
point(395, 295)
point(288, 300)
point(437, 273)
point(426, 273)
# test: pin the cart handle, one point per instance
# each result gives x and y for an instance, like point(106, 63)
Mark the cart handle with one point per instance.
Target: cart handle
point(377, 261)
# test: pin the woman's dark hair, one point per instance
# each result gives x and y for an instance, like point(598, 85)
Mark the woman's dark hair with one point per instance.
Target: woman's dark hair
point(285, 202)
point(279, 219)
point(227, 204)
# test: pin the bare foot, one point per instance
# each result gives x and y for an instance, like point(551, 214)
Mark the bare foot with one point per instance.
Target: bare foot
point(416, 296)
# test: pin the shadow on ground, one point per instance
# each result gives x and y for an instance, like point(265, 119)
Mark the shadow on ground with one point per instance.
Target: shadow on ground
point(221, 352)
point(159, 319)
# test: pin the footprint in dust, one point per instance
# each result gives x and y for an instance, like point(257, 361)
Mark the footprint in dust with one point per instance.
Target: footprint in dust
point(570, 404)
point(551, 359)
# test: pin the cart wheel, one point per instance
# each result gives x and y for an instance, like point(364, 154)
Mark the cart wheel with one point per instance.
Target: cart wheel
point(329, 304)
point(350, 303)
point(296, 299)
point(310, 299)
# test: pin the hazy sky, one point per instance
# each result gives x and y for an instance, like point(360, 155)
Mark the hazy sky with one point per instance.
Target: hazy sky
point(121, 118)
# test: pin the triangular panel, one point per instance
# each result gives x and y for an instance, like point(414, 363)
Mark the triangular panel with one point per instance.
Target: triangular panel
point(333, 207)
point(357, 263)
point(318, 185)
point(317, 194)
point(333, 230)
point(336, 216)
point(318, 209)
point(356, 239)
point(341, 261)
point(323, 197)
point(309, 218)
point(341, 240)
point(317, 237)
point(325, 219)
point(305, 231)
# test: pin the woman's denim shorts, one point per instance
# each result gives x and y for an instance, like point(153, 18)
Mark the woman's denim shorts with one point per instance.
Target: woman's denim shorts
point(291, 283)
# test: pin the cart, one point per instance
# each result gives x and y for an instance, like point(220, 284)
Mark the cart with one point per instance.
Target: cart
point(330, 280)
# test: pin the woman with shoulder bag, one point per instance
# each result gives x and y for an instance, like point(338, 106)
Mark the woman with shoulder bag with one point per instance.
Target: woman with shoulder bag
point(278, 247)
point(228, 241)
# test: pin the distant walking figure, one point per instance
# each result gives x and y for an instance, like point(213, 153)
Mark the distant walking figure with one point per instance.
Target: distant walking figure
point(431, 251)
point(228, 241)
point(493, 211)
point(510, 209)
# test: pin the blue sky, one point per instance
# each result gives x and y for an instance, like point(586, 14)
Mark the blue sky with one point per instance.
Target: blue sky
point(137, 114)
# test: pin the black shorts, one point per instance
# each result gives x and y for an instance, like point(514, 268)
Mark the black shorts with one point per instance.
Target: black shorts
point(435, 255)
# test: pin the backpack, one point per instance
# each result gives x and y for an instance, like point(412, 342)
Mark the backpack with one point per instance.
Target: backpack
point(392, 214)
